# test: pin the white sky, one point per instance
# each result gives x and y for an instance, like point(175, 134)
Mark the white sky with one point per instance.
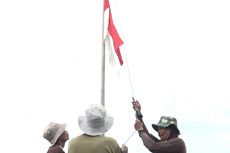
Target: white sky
point(178, 57)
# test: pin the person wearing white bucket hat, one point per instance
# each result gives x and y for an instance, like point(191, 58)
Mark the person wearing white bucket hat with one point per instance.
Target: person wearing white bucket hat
point(56, 134)
point(95, 123)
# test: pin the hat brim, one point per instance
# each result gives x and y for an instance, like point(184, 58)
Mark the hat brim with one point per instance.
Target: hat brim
point(82, 122)
point(59, 132)
point(157, 126)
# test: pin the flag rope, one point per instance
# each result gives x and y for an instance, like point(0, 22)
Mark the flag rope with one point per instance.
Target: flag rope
point(129, 137)
point(126, 59)
point(129, 74)
point(128, 70)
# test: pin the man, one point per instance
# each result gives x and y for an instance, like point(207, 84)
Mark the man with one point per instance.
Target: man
point(95, 123)
point(167, 130)
point(56, 134)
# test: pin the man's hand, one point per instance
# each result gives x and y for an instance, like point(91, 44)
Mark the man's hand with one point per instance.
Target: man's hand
point(138, 125)
point(124, 148)
point(136, 106)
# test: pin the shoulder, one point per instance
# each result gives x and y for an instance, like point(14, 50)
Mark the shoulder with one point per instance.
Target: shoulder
point(110, 139)
point(73, 140)
point(181, 145)
point(112, 144)
point(178, 141)
point(106, 140)
point(174, 141)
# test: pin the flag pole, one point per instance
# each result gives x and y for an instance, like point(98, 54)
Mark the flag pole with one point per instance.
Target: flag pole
point(103, 62)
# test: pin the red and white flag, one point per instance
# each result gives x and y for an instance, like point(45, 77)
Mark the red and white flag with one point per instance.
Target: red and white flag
point(110, 32)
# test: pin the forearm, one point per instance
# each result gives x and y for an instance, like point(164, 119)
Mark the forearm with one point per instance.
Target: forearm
point(146, 139)
point(147, 132)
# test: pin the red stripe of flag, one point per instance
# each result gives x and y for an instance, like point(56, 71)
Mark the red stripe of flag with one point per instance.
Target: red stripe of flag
point(117, 42)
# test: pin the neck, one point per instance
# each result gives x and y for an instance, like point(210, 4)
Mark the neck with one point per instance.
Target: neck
point(60, 144)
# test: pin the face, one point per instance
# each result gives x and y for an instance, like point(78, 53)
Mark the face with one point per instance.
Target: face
point(64, 137)
point(164, 133)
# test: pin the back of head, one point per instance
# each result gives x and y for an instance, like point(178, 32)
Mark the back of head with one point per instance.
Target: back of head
point(53, 131)
point(96, 120)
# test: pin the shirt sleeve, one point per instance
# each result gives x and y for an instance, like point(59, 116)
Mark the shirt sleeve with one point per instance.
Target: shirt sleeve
point(147, 132)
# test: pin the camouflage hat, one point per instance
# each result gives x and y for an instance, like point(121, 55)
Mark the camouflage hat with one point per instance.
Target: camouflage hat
point(164, 122)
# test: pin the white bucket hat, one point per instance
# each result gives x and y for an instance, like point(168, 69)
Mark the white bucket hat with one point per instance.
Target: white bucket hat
point(53, 131)
point(96, 120)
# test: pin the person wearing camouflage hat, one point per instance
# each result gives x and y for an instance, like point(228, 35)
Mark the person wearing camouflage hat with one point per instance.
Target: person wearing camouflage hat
point(168, 132)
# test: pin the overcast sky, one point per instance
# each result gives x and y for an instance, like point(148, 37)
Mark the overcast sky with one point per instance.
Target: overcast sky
point(176, 56)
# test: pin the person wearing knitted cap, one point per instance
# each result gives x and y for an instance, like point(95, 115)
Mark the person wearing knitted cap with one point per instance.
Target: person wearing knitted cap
point(167, 131)
point(94, 124)
point(56, 134)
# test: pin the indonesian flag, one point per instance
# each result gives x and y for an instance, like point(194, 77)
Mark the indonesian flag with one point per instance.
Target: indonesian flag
point(110, 32)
